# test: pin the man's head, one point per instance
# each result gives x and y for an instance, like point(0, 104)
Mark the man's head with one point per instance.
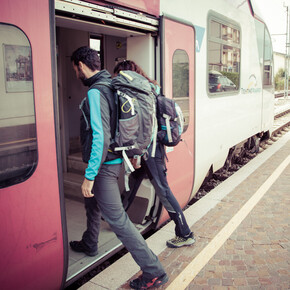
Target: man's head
point(86, 62)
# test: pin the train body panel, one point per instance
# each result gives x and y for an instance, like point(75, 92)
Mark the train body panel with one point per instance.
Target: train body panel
point(214, 59)
point(31, 227)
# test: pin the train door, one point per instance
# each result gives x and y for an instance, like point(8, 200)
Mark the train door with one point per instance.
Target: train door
point(178, 82)
point(265, 51)
point(77, 24)
point(268, 83)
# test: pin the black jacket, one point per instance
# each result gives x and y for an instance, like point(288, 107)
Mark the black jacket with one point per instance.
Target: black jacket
point(98, 123)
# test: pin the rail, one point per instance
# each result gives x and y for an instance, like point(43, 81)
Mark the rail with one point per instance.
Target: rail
point(280, 94)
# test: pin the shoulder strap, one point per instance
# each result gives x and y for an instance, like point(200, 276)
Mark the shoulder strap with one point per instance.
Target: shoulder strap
point(108, 85)
point(100, 86)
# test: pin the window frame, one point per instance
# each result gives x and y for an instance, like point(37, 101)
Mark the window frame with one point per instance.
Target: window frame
point(178, 100)
point(23, 159)
point(271, 71)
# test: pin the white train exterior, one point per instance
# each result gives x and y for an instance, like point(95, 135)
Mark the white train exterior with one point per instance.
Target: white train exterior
point(223, 120)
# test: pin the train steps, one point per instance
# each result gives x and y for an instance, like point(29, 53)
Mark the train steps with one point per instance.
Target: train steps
point(75, 164)
point(74, 177)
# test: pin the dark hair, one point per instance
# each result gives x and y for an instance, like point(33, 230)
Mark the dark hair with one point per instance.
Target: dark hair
point(87, 56)
point(131, 65)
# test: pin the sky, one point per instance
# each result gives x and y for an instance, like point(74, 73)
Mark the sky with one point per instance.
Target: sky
point(274, 14)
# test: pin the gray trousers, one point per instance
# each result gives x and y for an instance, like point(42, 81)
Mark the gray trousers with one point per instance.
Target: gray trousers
point(107, 202)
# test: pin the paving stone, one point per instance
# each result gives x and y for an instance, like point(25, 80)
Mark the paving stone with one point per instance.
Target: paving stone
point(240, 282)
point(252, 281)
point(227, 282)
point(227, 275)
point(214, 281)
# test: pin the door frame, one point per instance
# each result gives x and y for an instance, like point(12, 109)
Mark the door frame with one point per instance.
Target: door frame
point(182, 162)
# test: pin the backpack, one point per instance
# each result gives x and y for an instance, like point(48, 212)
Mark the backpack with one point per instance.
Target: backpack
point(137, 123)
point(170, 121)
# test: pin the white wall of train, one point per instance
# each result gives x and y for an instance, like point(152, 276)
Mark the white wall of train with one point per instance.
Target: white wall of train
point(223, 121)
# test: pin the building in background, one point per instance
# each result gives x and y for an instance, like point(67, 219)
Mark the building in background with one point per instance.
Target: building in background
point(279, 61)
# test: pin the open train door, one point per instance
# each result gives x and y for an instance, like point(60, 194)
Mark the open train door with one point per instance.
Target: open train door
point(178, 82)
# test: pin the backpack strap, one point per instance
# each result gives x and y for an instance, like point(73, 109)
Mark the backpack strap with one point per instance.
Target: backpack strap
point(108, 85)
point(83, 102)
point(154, 141)
point(167, 122)
point(127, 161)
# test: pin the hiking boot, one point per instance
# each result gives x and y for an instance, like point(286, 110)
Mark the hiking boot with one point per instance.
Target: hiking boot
point(142, 283)
point(178, 242)
point(81, 248)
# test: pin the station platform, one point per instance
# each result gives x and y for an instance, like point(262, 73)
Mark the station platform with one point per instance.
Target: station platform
point(242, 230)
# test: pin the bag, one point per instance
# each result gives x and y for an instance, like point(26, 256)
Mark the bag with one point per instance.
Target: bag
point(137, 123)
point(170, 121)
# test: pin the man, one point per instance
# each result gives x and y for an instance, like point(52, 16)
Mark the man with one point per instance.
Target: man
point(100, 185)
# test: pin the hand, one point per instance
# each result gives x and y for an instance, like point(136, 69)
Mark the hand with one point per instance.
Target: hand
point(136, 162)
point(87, 187)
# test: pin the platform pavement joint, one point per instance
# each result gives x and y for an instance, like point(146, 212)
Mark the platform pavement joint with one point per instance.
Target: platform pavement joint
point(257, 254)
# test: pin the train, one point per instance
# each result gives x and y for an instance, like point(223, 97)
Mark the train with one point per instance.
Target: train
point(214, 58)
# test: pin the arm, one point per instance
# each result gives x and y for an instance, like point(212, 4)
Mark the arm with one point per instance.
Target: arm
point(100, 124)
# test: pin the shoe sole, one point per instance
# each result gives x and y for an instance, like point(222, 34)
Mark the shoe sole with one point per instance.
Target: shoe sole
point(175, 246)
point(91, 254)
point(156, 284)
point(86, 253)
point(159, 283)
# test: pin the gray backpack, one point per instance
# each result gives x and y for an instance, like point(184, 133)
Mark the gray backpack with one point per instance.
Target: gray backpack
point(137, 123)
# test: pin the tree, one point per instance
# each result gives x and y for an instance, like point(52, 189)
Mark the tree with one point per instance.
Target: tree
point(279, 80)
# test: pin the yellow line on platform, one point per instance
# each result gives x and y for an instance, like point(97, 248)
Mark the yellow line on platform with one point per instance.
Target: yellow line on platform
point(189, 273)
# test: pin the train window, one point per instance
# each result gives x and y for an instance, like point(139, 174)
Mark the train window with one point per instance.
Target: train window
point(224, 53)
point(18, 150)
point(265, 52)
point(268, 60)
point(180, 82)
point(96, 43)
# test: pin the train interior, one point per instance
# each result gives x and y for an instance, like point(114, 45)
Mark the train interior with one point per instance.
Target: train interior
point(114, 44)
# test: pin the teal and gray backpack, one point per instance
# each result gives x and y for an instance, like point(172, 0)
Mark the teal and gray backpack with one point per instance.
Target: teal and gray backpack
point(137, 123)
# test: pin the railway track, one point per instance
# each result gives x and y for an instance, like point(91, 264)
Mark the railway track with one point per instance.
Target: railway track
point(281, 94)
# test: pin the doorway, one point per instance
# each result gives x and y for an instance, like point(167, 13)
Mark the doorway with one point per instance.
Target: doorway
point(113, 45)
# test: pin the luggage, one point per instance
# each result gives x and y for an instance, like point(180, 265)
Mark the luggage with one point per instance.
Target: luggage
point(137, 123)
point(170, 121)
